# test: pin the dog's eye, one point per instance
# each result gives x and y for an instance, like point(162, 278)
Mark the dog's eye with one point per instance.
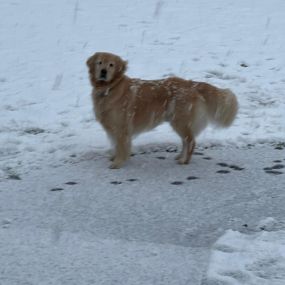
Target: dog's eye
point(111, 64)
point(99, 62)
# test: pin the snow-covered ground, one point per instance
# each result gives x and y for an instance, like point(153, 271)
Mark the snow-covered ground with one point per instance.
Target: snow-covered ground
point(146, 223)
point(248, 259)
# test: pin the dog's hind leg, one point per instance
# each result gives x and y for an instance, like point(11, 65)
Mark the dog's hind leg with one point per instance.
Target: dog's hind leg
point(188, 145)
point(191, 149)
point(188, 142)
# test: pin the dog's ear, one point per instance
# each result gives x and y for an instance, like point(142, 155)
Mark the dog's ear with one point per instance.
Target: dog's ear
point(124, 67)
point(91, 60)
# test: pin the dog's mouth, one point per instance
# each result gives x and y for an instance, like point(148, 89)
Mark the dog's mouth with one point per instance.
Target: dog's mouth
point(102, 80)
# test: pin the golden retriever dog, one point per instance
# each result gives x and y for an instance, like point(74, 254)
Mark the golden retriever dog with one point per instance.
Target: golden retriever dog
point(127, 106)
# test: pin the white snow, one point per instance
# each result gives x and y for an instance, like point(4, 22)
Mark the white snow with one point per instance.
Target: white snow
point(44, 82)
point(159, 227)
point(267, 224)
point(256, 259)
point(76, 259)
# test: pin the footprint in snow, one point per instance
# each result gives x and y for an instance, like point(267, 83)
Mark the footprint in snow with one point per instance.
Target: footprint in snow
point(161, 157)
point(235, 167)
point(116, 182)
point(223, 171)
point(14, 176)
point(56, 189)
point(34, 131)
point(171, 149)
point(275, 172)
point(275, 169)
point(192, 178)
point(279, 147)
point(198, 153)
point(181, 182)
point(222, 164)
point(277, 166)
point(231, 166)
point(207, 158)
point(177, 183)
point(71, 183)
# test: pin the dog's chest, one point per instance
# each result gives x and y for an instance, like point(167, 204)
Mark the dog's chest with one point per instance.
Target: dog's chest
point(107, 111)
point(101, 108)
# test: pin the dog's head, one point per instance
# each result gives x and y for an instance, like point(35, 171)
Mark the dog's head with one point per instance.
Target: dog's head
point(105, 68)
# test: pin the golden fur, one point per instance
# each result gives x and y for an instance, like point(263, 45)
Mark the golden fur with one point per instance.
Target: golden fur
point(127, 106)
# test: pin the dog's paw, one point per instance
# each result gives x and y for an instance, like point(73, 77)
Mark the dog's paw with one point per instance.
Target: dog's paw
point(183, 161)
point(116, 164)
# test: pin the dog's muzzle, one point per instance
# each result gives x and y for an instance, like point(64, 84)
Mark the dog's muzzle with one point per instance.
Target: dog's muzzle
point(103, 74)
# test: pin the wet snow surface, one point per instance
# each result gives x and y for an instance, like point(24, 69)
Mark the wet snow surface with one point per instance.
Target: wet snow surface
point(65, 218)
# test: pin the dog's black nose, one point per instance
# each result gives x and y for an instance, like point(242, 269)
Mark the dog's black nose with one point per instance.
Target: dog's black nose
point(103, 73)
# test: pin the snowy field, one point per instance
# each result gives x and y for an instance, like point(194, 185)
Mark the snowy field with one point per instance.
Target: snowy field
point(219, 220)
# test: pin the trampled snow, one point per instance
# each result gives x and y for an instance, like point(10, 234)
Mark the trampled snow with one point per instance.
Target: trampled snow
point(65, 218)
point(257, 259)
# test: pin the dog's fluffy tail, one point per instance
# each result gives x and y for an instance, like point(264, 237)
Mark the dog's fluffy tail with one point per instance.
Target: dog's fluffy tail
point(222, 106)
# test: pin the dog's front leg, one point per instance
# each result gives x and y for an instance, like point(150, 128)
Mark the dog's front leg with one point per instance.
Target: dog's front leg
point(122, 150)
point(111, 151)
